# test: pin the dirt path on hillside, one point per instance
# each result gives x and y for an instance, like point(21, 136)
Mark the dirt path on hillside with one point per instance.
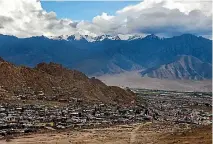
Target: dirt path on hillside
point(148, 133)
point(135, 132)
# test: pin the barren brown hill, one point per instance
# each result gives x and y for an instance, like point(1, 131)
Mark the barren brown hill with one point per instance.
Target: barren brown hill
point(53, 82)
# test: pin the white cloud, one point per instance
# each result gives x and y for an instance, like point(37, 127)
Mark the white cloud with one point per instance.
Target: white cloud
point(25, 18)
point(184, 6)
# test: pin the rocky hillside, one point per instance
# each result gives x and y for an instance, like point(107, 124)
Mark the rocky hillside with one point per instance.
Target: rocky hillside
point(55, 83)
point(183, 67)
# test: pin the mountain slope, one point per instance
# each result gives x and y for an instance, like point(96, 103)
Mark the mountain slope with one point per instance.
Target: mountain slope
point(183, 67)
point(105, 54)
point(53, 82)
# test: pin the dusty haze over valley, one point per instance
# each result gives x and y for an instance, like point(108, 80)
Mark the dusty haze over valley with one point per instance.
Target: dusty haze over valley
point(134, 80)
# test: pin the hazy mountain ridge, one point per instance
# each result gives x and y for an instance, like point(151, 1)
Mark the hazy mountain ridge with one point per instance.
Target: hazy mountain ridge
point(108, 56)
point(183, 67)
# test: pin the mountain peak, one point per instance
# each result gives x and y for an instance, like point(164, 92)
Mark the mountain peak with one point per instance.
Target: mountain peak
point(151, 36)
point(188, 36)
point(134, 37)
point(117, 38)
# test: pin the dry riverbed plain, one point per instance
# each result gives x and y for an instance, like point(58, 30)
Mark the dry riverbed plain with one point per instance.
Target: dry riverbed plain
point(143, 133)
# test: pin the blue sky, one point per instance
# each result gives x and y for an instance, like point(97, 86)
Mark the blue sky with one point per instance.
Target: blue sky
point(78, 10)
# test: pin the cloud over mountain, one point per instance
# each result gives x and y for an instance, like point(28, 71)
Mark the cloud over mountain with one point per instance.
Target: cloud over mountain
point(25, 18)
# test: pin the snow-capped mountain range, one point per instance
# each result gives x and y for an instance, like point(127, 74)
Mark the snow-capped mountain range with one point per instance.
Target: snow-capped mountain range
point(98, 38)
point(180, 57)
